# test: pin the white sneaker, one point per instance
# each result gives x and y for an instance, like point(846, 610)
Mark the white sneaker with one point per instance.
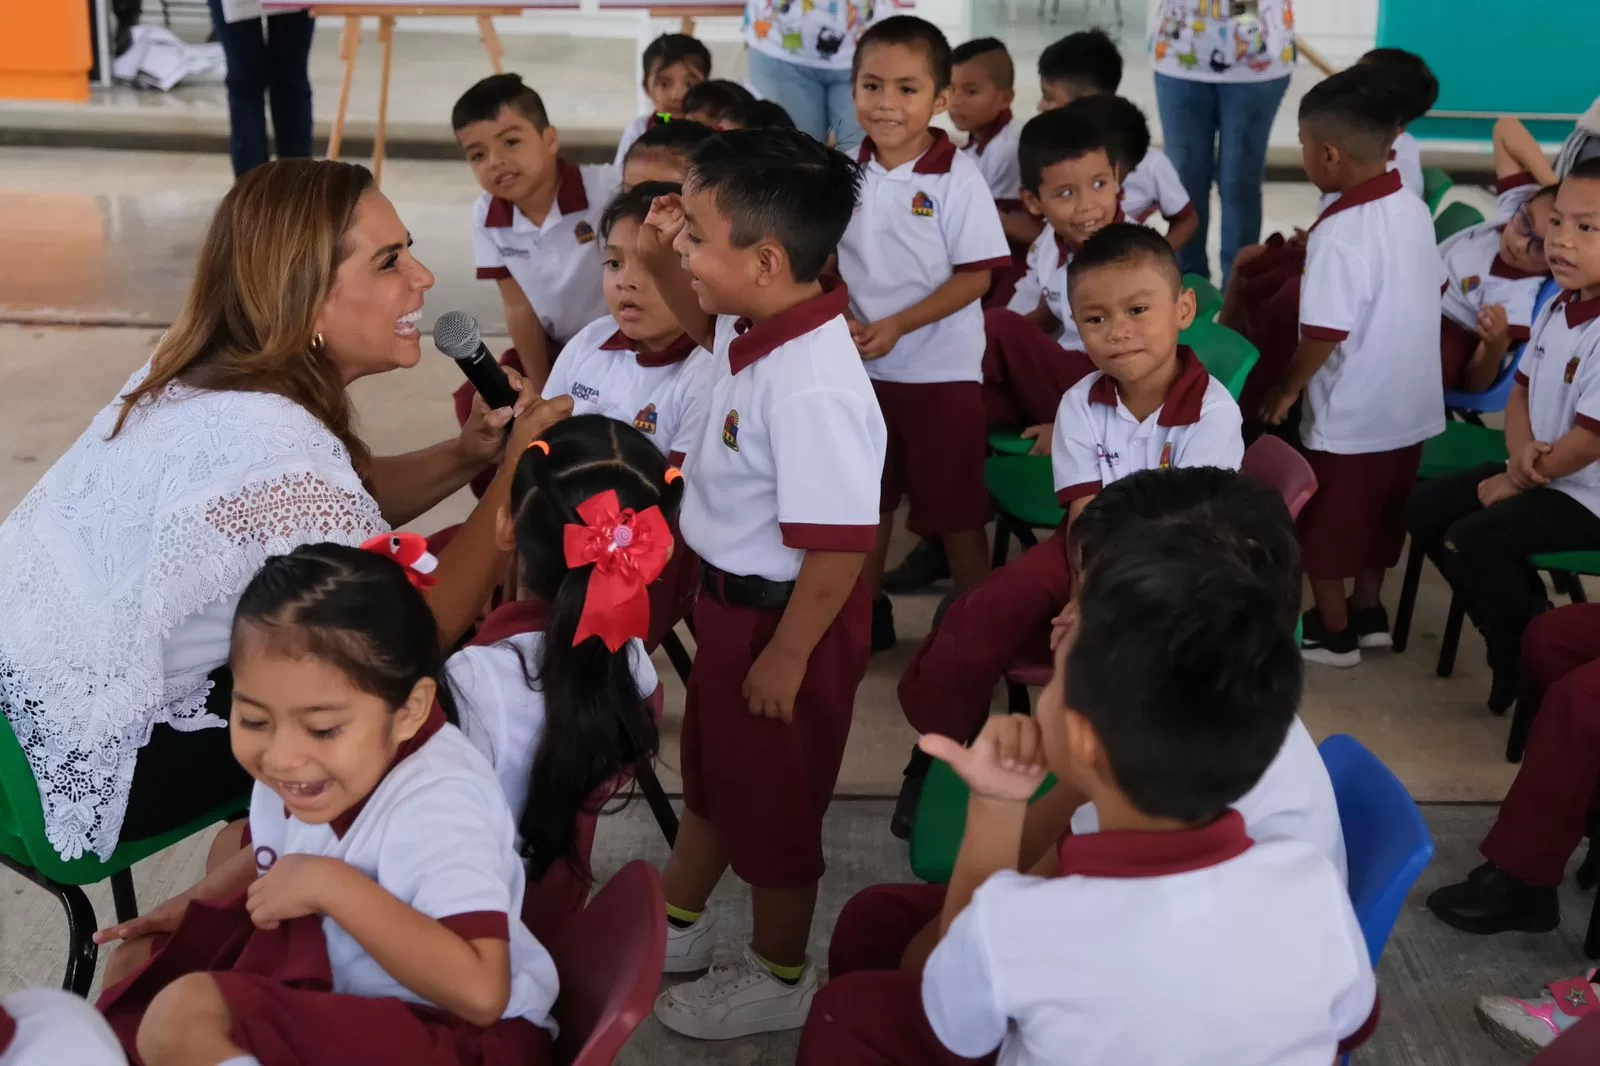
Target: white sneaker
point(689, 950)
point(739, 996)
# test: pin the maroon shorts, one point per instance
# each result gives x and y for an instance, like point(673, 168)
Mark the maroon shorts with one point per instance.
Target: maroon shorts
point(937, 446)
point(764, 785)
point(873, 1018)
point(1025, 373)
point(1356, 520)
point(878, 924)
point(1456, 345)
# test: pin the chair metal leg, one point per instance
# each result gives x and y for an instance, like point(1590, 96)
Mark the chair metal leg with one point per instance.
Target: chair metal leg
point(1452, 637)
point(656, 797)
point(1002, 534)
point(1572, 585)
point(678, 655)
point(1026, 538)
point(1408, 596)
point(123, 897)
point(1517, 740)
point(81, 949)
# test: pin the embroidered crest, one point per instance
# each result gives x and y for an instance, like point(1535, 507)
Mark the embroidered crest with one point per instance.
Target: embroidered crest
point(1572, 371)
point(1470, 285)
point(730, 430)
point(645, 420)
point(584, 232)
point(922, 205)
point(1166, 455)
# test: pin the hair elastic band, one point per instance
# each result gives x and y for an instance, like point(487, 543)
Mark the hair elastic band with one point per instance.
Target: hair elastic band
point(542, 445)
point(410, 550)
point(672, 474)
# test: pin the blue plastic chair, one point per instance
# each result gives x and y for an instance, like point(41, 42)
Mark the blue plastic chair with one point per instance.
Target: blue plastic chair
point(1387, 843)
point(1495, 398)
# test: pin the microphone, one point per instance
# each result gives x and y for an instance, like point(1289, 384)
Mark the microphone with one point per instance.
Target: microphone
point(456, 335)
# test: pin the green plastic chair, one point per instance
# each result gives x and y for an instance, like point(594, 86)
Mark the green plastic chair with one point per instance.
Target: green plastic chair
point(941, 821)
point(1455, 218)
point(1208, 299)
point(25, 849)
point(1007, 442)
point(1435, 183)
point(1226, 355)
point(1023, 490)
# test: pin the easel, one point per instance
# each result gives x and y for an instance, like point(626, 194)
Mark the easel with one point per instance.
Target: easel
point(350, 42)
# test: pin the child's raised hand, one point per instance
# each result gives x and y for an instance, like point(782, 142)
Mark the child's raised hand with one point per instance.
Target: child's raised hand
point(1064, 626)
point(1042, 435)
point(661, 227)
point(874, 340)
point(295, 887)
point(1005, 763)
point(1493, 326)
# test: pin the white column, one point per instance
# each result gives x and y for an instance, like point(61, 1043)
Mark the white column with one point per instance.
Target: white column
point(1340, 29)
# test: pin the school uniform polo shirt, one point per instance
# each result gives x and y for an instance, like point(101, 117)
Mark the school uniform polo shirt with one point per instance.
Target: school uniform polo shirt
point(556, 264)
point(1154, 186)
point(661, 394)
point(1098, 440)
point(1293, 801)
point(1479, 277)
point(1183, 947)
point(1372, 285)
point(1048, 259)
point(914, 228)
point(436, 834)
point(994, 149)
point(1405, 156)
point(791, 457)
point(1561, 371)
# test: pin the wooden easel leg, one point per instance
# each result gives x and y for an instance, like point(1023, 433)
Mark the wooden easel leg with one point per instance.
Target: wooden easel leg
point(491, 42)
point(386, 36)
point(349, 45)
point(686, 27)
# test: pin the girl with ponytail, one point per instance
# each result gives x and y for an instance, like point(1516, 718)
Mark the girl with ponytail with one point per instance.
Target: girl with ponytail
point(557, 689)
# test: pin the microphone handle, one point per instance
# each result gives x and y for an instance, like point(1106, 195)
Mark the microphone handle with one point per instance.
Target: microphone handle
point(488, 379)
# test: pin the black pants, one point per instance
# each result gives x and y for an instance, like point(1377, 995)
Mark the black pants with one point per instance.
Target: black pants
point(180, 776)
point(267, 59)
point(1483, 551)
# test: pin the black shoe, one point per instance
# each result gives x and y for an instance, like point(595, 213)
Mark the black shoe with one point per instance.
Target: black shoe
point(1318, 645)
point(1371, 626)
point(905, 807)
point(1492, 901)
point(917, 572)
point(882, 624)
point(1505, 680)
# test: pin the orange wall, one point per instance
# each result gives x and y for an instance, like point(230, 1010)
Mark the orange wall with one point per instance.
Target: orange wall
point(45, 51)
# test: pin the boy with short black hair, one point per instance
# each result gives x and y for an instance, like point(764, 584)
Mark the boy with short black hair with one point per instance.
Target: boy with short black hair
point(981, 93)
point(1416, 90)
point(716, 103)
point(917, 257)
point(1366, 363)
point(761, 113)
point(1088, 64)
point(1164, 714)
point(534, 226)
point(662, 152)
point(673, 64)
point(782, 505)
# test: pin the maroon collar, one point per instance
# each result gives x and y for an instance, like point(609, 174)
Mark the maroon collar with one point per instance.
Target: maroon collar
point(1126, 853)
point(430, 728)
point(979, 139)
point(1363, 193)
point(676, 352)
point(570, 196)
point(512, 619)
point(1578, 311)
point(936, 160)
point(8, 1030)
point(1066, 249)
point(1502, 269)
point(1184, 400)
point(758, 339)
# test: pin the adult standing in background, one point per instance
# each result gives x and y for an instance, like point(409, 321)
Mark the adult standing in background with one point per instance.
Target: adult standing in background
point(800, 57)
point(1222, 67)
point(268, 57)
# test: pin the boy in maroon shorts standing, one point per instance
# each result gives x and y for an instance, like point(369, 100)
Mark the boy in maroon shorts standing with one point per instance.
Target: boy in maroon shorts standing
point(781, 503)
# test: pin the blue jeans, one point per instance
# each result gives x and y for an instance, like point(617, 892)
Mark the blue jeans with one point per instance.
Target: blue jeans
point(1193, 115)
point(818, 100)
point(267, 58)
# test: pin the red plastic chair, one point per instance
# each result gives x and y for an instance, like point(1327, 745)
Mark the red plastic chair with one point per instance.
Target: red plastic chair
point(1275, 462)
point(609, 957)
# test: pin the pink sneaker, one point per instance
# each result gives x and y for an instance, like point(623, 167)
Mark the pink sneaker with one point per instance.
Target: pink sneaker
point(1534, 1024)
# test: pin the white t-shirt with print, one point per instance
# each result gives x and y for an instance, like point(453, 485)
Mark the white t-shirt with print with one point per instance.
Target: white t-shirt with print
point(1197, 41)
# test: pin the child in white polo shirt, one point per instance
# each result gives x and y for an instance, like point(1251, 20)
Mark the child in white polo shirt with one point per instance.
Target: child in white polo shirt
point(781, 503)
point(662, 152)
point(1170, 700)
point(1497, 268)
point(1366, 363)
point(534, 226)
point(918, 257)
point(981, 94)
point(1416, 90)
point(1481, 526)
point(673, 64)
point(374, 913)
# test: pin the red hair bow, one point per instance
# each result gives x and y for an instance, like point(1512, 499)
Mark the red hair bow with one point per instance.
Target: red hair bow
point(410, 550)
point(628, 549)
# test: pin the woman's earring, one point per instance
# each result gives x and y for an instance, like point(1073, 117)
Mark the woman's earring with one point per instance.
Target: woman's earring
point(317, 343)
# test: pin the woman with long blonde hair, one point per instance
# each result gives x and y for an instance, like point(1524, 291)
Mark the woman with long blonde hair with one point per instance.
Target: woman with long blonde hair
point(234, 443)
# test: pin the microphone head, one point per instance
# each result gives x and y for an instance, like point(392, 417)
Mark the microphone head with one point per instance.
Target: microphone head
point(456, 335)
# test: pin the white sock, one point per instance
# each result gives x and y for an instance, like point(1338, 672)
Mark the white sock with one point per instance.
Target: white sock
point(242, 1060)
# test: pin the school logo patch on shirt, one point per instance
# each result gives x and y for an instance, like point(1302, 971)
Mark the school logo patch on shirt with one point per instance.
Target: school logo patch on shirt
point(1470, 285)
point(645, 420)
point(730, 430)
point(922, 205)
point(512, 252)
point(1166, 455)
point(1572, 371)
point(584, 232)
